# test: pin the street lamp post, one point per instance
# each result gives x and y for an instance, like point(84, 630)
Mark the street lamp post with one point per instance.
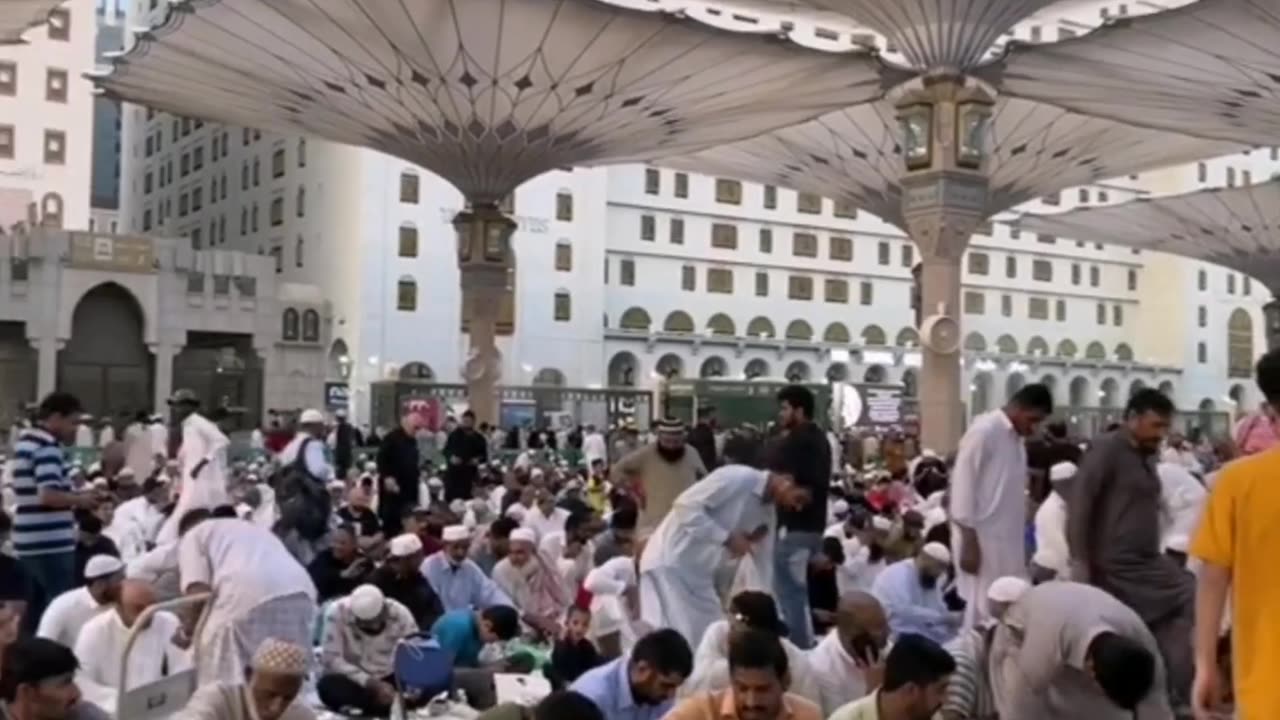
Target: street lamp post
point(943, 127)
point(484, 261)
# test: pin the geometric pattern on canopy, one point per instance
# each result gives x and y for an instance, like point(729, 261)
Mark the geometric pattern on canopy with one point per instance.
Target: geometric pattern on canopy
point(1033, 150)
point(1238, 227)
point(1210, 68)
point(485, 93)
point(18, 16)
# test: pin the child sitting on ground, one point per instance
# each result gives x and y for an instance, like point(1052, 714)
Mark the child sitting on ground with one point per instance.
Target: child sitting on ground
point(573, 654)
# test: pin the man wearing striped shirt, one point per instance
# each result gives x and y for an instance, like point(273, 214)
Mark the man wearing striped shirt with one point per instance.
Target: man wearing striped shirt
point(969, 694)
point(44, 537)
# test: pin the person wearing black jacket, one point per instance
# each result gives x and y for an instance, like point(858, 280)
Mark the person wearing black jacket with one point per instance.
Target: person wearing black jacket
point(703, 437)
point(804, 447)
point(398, 474)
point(345, 439)
point(465, 450)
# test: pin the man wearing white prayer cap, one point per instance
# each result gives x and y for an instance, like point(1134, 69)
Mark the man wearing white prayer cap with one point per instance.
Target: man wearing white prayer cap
point(274, 682)
point(400, 579)
point(306, 451)
point(361, 633)
point(459, 582)
point(68, 612)
point(911, 592)
point(1052, 559)
point(534, 586)
point(969, 693)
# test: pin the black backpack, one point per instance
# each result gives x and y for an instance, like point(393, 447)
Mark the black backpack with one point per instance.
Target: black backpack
point(303, 500)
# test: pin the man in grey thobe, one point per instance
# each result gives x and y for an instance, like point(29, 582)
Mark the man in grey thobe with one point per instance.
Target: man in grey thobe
point(1113, 530)
point(1040, 656)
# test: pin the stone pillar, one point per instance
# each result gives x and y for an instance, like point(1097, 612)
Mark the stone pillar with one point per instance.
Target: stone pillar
point(484, 261)
point(943, 202)
point(1271, 316)
point(163, 353)
point(47, 364)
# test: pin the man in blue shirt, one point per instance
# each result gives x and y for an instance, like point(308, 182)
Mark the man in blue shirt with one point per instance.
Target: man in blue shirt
point(642, 685)
point(44, 532)
point(465, 632)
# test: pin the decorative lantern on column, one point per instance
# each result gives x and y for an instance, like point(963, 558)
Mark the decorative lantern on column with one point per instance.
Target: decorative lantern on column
point(915, 121)
point(973, 112)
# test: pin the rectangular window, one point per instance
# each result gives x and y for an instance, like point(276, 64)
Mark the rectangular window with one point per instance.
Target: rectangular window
point(1038, 308)
point(652, 181)
point(845, 209)
point(409, 188)
point(676, 231)
point(1202, 316)
point(720, 280)
point(564, 257)
point(1075, 273)
point(1053, 199)
point(866, 293)
point(724, 236)
point(979, 263)
point(1011, 266)
point(804, 245)
point(1042, 270)
point(60, 24)
point(1133, 280)
point(800, 287)
point(276, 212)
point(1006, 305)
point(836, 290)
point(1247, 285)
point(197, 158)
point(277, 163)
point(975, 303)
point(197, 199)
point(770, 197)
point(648, 228)
point(1102, 314)
point(562, 306)
point(55, 85)
point(564, 206)
point(882, 253)
point(184, 165)
point(1095, 276)
point(6, 142)
point(766, 240)
point(809, 203)
point(728, 192)
point(1060, 310)
point(408, 241)
point(841, 248)
point(146, 182)
point(55, 147)
point(908, 255)
point(688, 278)
point(682, 185)
point(1202, 353)
point(1046, 238)
point(182, 205)
point(1117, 315)
point(1231, 284)
point(8, 78)
point(627, 273)
point(762, 284)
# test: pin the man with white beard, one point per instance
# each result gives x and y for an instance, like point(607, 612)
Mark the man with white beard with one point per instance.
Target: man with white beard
point(202, 460)
point(988, 497)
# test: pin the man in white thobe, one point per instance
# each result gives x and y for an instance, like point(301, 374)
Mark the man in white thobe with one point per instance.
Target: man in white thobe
point(988, 497)
point(68, 613)
point(101, 647)
point(594, 447)
point(202, 460)
point(1182, 500)
point(1052, 560)
point(728, 515)
point(139, 448)
point(136, 523)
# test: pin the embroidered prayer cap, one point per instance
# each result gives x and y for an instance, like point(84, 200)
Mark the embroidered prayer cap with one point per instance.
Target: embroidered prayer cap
point(669, 425)
point(524, 535)
point(1007, 589)
point(405, 545)
point(100, 566)
point(279, 656)
point(456, 533)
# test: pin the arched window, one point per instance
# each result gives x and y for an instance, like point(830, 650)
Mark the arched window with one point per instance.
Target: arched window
point(799, 330)
point(873, 335)
point(1066, 349)
point(678, 322)
point(1006, 345)
point(311, 326)
point(302, 201)
point(907, 337)
point(1239, 344)
point(1124, 353)
point(721, 324)
point(635, 319)
point(797, 371)
point(974, 342)
point(622, 370)
point(408, 245)
point(670, 366)
point(407, 294)
point(756, 368)
point(836, 333)
point(1037, 346)
point(51, 210)
point(761, 327)
point(714, 367)
point(291, 322)
point(1096, 351)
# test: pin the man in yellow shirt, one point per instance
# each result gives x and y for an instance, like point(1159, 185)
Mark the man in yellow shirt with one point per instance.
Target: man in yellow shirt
point(916, 675)
point(1236, 541)
point(758, 681)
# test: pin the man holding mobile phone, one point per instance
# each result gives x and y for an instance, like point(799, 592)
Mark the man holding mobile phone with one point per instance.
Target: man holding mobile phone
point(849, 661)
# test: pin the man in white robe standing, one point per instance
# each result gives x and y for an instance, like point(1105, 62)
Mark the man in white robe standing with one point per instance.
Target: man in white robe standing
point(202, 459)
point(988, 497)
point(729, 515)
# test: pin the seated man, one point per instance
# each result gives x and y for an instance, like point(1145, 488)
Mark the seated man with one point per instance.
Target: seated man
point(101, 645)
point(39, 682)
point(69, 611)
point(911, 594)
point(757, 689)
point(272, 683)
point(339, 569)
point(556, 706)
point(400, 580)
point(642, 684)
point(916, 674)
point(1070, 650)
point(458, 581)
point(849, 660)
point(494, 545)
point(527, 577)
point(360, 637)
point(748, 611)
point(465, 632)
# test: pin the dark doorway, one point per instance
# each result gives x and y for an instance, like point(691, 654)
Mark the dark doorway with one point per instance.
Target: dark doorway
point(106, 362)
point(225, 372)
point(18, 369)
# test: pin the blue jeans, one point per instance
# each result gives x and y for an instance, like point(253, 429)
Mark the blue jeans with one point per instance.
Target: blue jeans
point(50, 576)
point(791, 557)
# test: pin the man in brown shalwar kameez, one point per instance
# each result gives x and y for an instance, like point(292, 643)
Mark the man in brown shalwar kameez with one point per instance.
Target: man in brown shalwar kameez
point(659, 472)
point(1113, 530)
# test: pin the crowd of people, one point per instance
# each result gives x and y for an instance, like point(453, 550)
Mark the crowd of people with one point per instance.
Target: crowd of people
point(704, 573)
